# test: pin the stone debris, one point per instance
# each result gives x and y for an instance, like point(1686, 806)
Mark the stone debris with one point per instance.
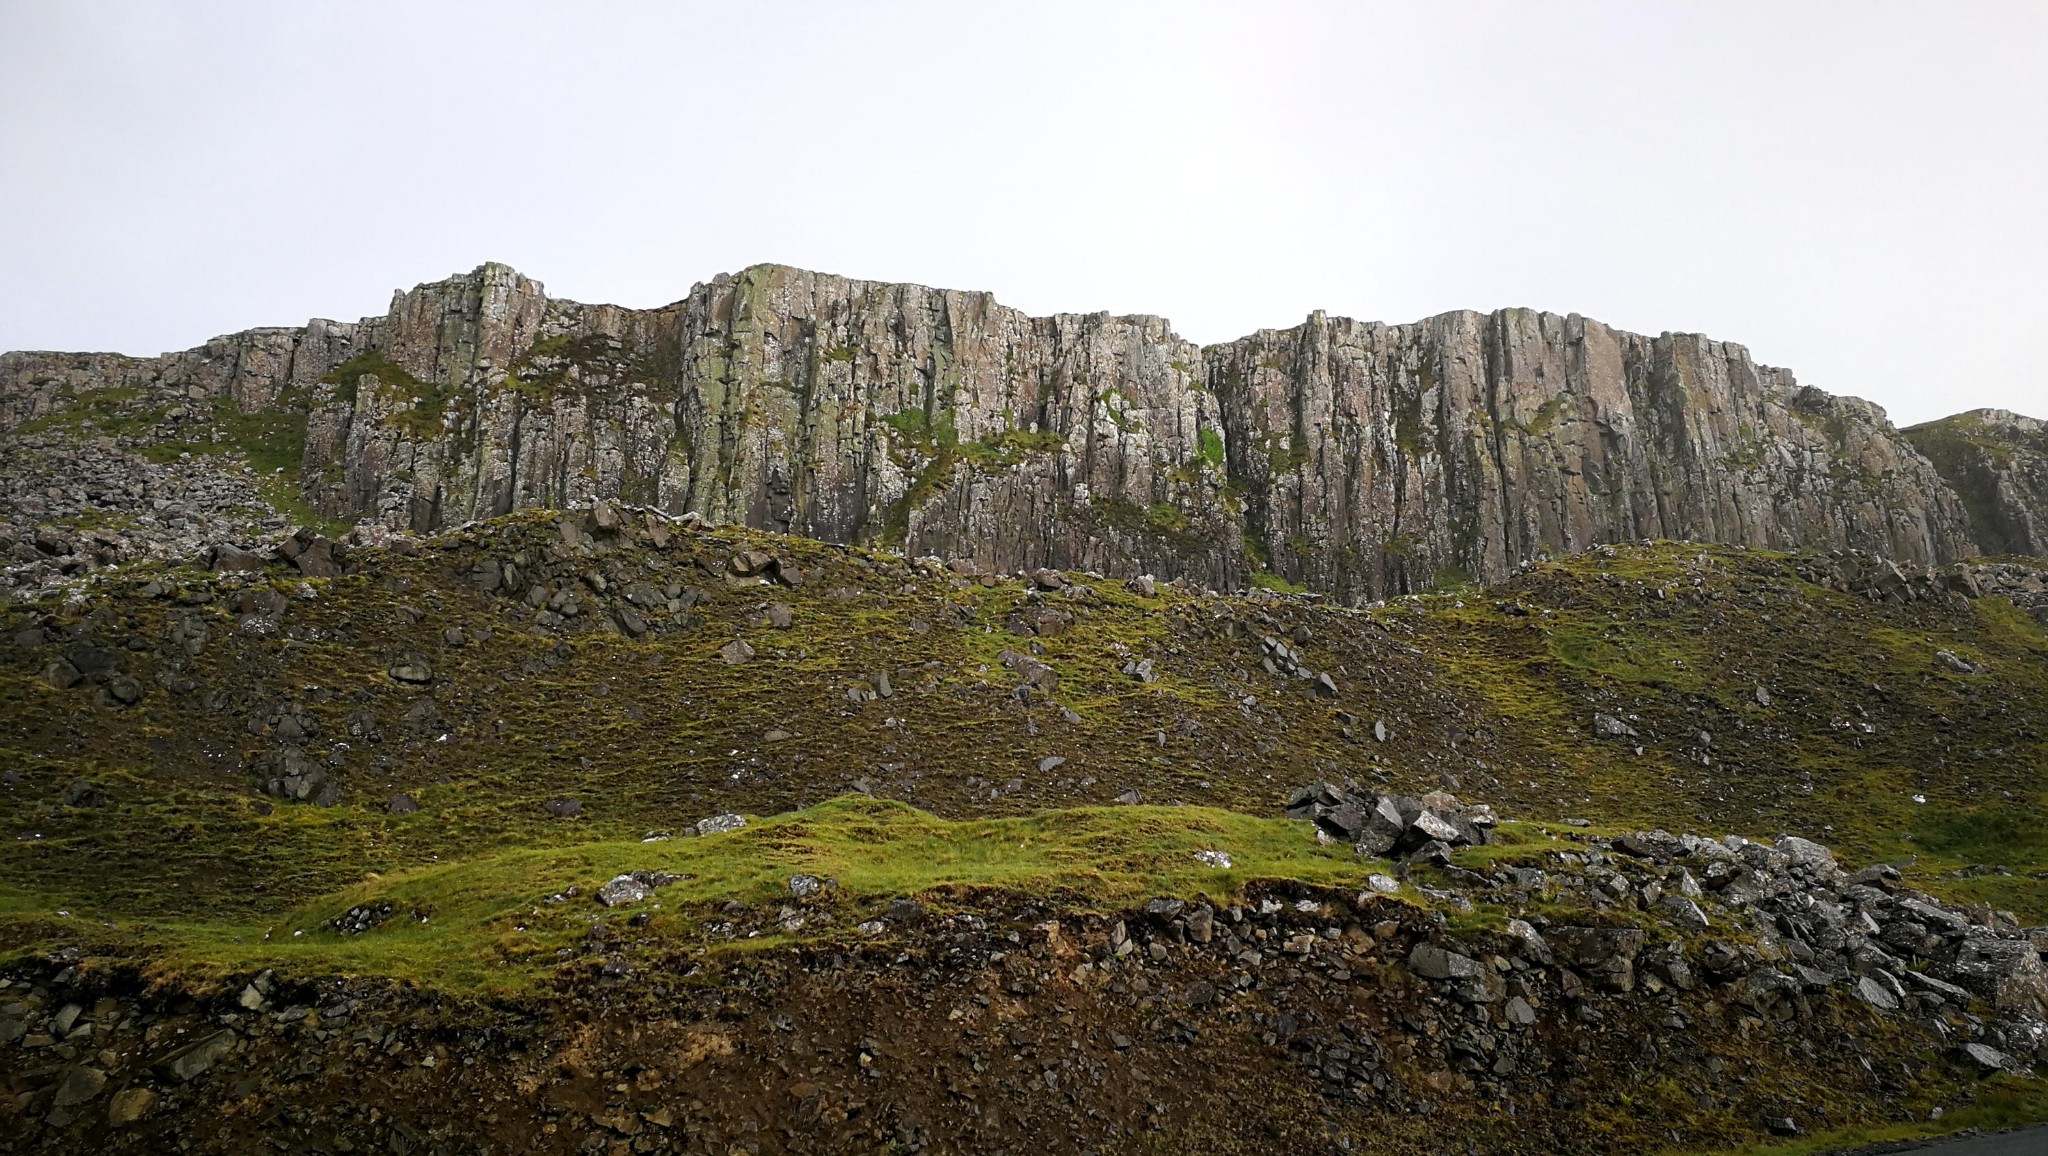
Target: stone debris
point(1378, 824)
point(719, 824)
point(634, 886)
point(361, 918)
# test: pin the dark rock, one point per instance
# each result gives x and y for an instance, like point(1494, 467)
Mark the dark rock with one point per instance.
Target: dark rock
point(228, 558)
point(1433, 961)
point(360, 918)
point(563, 808)
point(1606, 955)
point(80, 1084)
point(196, 1058)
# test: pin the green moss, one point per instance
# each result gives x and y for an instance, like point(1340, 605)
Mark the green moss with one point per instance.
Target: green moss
point(929, 445)
point(1267, 580)
point(1211, 451)
point(427, 402)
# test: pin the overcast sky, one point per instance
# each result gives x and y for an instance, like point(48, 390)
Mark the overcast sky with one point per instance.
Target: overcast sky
point(1856, 190)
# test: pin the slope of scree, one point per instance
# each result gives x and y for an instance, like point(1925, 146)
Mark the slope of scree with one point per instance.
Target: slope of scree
point(185, 741)
point(1548, 991)
point(1356, 459)
point(423, 819)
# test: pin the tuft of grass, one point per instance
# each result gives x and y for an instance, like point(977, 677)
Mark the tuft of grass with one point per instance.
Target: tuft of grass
point(2001, 1102)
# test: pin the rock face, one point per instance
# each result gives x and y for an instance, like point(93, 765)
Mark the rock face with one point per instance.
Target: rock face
point(1998, 463)
point(1355, 458)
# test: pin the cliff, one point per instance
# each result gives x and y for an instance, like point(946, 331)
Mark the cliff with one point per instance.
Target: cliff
point(1353, 458)
point(1998, 463)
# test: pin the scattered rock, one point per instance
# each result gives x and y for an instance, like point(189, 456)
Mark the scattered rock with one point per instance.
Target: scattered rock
point(1607, 726)
point(622, 890)
point(1988, 1058)
point(719, 824)
point(129, 1105)
point(1955, 662)
point(80, 1084)
point(1431, 961)
point(196, 1058)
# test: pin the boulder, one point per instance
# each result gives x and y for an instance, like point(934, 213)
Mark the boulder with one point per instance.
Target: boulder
point(1433, 961)
point(1607, 726)
point(1605, 955)
point(196, 1058)
point(129, 1105)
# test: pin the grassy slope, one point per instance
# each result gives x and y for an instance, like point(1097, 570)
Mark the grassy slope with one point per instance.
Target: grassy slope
point(1494, 692)
point(488, 924)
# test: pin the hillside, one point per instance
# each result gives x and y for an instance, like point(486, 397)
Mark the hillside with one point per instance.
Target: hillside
point(1998, 462)
point(342, 809)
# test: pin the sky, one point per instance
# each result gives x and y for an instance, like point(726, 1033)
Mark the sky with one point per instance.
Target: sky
point(1856, 190)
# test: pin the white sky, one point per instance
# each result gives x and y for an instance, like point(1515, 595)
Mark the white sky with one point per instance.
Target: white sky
point(1856, 190)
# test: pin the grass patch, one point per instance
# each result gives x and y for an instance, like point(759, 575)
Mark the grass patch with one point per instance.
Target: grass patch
point(486, 922)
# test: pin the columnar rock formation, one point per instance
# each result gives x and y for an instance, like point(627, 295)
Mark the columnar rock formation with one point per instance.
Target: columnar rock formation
point(1354, 458)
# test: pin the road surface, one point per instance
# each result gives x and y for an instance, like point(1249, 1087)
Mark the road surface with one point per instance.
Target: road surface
point(2027, 1142)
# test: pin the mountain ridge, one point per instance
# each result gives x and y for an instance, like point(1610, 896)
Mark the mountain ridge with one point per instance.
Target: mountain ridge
point(1357, 459)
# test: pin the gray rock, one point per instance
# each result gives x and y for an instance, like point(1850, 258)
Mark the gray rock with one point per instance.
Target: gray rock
point(1607, 726)
point(1809, 855)
point(1606, 955)
point(1955, 662)
point(1434, 828)
point(622, 890)
point(562, 808)
point(196, 1058)
point(80, 1084)
point(1683, 912)
point(804, 886)
point(1988, 1058)
point(1431, 961)
point(1185, 411)
point(736, 652)
point(1875, 993)
point(719, 824)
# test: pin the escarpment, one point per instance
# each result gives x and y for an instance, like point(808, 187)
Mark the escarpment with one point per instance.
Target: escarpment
point(1351, 458)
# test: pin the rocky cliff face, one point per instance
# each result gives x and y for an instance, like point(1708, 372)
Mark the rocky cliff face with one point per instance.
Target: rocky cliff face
point(1998, 463)
point(1353, 458)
